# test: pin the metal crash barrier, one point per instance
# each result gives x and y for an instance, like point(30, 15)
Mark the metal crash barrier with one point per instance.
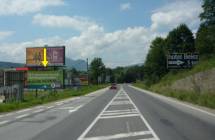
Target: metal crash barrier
point(12, 93)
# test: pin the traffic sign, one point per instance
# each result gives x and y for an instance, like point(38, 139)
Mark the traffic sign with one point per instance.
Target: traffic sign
point(182, 60)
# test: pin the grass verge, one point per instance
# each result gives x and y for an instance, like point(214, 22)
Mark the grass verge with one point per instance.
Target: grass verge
point(203, 99)
point(163, 86)
point(47, 96)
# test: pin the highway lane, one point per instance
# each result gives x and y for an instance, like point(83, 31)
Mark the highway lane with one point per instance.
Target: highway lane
point(173, 120)
point(29, 123)
point(123, 114)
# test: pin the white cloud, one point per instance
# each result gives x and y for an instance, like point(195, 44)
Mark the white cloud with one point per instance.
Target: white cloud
point(175, 13)
point(78, 23)
point(5, 34)
point(125, 6)
point(119, 48)
point(122, 47)
point(20, 7)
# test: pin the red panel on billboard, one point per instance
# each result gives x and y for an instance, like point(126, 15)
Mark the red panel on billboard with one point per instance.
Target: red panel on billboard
point(22, 69)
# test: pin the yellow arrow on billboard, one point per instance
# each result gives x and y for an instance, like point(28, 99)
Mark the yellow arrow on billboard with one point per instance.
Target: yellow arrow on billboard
point(44, 62)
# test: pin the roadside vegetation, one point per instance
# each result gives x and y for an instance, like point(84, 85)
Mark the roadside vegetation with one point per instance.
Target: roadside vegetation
point(156, 76)
point(43, 97)
point(163, 86)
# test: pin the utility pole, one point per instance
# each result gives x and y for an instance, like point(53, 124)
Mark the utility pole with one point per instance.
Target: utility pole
point(88, 73)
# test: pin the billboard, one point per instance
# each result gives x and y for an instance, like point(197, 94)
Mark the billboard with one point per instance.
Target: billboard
point(45, 79)
point(55, 56)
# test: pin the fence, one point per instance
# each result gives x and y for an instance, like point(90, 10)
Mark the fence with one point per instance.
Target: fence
point(12, 93)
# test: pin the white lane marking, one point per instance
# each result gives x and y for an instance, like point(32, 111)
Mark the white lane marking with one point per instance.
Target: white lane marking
point(4, 122)
point(128, 127)
point(119, 116)
point(9, 114)
point(21, 111)
point(125, 110)
point(37, 111)
point(22, 116)
point(119, 113)
point(144, 120)
point(95, 120)
point(49, 107)
point(38, 107)
point(119, 136)
point(173, 101)
point(59, 103)
point(121, 103)
point(69, 107)
point(77, 108)
point(148, 139)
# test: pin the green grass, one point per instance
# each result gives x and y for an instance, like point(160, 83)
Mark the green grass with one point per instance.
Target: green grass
point(162, 87)
point(46, 97)
point(205, 99)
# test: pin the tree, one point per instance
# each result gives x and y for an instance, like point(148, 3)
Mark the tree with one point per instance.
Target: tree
point(208, 14)
point(155, 64)
point(97, 69)
point(205, 41)
point(109, 74)
point(181, 40)
point(119, 74)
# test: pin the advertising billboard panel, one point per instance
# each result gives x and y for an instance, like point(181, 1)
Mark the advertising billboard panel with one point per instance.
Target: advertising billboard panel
point(45, 79)
point(55, 56)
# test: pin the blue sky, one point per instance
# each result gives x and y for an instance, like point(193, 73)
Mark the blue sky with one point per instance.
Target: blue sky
point(119, 31)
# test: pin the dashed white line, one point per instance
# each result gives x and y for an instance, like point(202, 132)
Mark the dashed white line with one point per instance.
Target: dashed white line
point(37, 111)
point(21, 111)
point(22, 116)
point(4, 122)
point(49, 107)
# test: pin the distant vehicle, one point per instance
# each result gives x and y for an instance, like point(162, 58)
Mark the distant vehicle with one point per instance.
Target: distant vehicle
point(113, 86)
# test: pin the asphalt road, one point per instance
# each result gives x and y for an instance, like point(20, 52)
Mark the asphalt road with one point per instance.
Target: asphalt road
point(124, 114)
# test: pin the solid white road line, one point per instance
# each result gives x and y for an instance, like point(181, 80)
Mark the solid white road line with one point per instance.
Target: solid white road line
point(4, 122)
point(144, 120)
point(119, 136)
point(173, 101)
point(96, 119)
point(22, 116)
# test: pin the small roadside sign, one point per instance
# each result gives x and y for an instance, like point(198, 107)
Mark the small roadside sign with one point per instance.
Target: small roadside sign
point(182, 60)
